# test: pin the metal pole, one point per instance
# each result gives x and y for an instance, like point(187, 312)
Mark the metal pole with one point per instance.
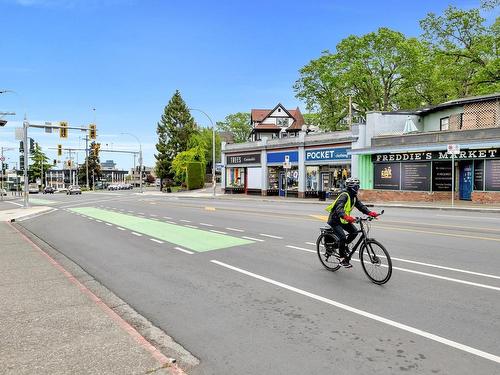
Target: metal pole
point(1, 181)
point(452, 179)
point(213, 160)
point(140, 163)
point(87, 160)
point(26, 160)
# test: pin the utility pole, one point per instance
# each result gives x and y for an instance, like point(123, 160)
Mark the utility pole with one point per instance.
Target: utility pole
point(87, 160)
point(1, 181)
point(26, 160)
point(350, 111)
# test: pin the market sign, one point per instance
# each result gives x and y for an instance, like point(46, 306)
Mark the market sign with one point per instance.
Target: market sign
point(243, 159)
point(280, 157)
point(487, 153)
point(324, 154)
point(387, 176)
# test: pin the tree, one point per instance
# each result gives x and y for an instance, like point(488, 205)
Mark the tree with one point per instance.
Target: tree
point(94, 168)
point(174, 130)
point(179, 164)
point(468, 47)
point(204, 139)
point(238, 124)
point(39, 160)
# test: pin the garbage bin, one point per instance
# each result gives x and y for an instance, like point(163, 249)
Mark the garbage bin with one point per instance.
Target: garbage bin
point(322, 195)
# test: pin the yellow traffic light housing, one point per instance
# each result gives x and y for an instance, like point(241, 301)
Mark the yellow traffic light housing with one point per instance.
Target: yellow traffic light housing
point(92, 131)
point(69, 163)
point(59, 150)
point(63, 130)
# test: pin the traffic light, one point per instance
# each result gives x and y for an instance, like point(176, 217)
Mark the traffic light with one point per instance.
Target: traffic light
point(59, 150)
point(21, 162)
point(63, 130)
point(95, 149)
point(69, 163)
point(55, 162)
point(32, 145)
point(21, 146)
point(92, 131)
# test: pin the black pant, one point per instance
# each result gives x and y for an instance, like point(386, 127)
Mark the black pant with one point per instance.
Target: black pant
point(338, 229)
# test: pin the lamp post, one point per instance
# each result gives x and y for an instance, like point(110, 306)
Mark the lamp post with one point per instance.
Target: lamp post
point(25, 142)
point(140, 159)
point(213, 148)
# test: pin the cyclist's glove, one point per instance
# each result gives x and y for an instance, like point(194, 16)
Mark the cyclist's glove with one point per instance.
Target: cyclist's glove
point(372, 214)
point(349, 219)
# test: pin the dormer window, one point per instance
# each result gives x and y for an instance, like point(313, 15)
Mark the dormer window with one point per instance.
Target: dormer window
point(279, 109)
point(282, 121)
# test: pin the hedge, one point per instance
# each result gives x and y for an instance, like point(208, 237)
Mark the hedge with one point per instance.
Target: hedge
point(195, 175)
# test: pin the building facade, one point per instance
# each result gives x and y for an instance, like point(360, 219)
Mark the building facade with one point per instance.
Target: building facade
point(278, 122)
point(403, 156)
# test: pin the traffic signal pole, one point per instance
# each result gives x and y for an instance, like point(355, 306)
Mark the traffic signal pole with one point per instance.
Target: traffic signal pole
point(26, 161)
point(87, 160)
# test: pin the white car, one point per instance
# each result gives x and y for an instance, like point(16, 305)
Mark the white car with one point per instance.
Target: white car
point(3, 192)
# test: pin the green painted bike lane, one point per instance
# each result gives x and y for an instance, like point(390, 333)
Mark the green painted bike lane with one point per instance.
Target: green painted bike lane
point(190, 238)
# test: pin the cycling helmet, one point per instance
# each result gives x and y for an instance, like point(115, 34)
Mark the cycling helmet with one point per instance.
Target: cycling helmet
point(352, 183)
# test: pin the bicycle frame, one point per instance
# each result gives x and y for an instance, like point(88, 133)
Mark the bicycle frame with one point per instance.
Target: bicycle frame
point(362, 239)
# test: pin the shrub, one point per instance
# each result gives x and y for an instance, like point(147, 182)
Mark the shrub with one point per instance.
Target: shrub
point(195, 175)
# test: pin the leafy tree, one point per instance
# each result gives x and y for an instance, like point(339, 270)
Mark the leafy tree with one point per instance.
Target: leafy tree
point(94, 168)
point(179, 164)
point(238, 124)
point(174, 130)
point(204, 139)
point(39, 160)
point(468, 47)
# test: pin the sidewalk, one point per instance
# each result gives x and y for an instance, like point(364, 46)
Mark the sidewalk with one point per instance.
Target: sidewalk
point(53, 324)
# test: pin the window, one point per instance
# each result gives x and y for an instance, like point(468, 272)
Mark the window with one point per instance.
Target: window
point(282, 121)
point(444, 123)
point(460, 120)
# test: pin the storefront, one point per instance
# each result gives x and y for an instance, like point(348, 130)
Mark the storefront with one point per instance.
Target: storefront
point(243, 174)
point(326, 169)
point(475, 171)
point(281, 181)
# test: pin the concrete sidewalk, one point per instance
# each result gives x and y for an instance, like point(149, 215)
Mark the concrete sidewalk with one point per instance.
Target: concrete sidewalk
point(51, 323)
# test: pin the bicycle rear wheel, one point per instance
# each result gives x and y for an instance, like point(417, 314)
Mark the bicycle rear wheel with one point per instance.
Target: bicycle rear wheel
point(376, 262)
point(327, 258)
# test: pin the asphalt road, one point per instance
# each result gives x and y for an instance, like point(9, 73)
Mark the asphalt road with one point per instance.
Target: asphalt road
point(268, 306)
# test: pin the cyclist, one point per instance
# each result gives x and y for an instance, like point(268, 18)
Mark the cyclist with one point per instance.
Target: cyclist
point(340, 218)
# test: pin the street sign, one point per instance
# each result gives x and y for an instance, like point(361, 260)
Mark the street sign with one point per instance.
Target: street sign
point(2, 158)
point(19, 134)
point(287, 165)
point(454, 149)
point(287, 158)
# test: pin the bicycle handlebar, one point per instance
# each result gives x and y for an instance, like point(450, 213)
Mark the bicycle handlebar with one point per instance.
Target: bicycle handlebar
point(368, 218)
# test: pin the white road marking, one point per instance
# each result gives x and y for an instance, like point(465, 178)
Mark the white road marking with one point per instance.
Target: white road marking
point(191, 226)
point(120, 228)
point(153, 215)
point(252, 239)
point(167, 217)
point(171, 222)
point(38, 215)
point(235, 229)
point(482, 218)
point(99, 221)
point(136, 234)
point(109, 224)
point(217, 231)
point(131, 212)
point(271, 236)
point(183, 250)
point(185, 221)
point(368, 315)
point(141, 213)
point(300, 248)
point(206, 225)
point(155, 240)
point(17, 204)
point(310, 243)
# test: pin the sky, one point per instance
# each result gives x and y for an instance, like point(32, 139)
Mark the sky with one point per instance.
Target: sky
point(118, 62)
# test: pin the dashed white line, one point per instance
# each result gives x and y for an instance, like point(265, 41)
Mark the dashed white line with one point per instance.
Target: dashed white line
point(300, 248)
point(368, 315)
point(185, 221)
point(310, 243)
point(171, 222)
point(141, 213)
point(109, 224)
point(120, 228)
point(270, 236)
point(253, 239)
point(153, 215)
point(217, 231)
point(155, 240)
point(235, 229)
point(183, 250)
point(191, 226)
point(136, 234)
point(206, 225)
point(99, 221)
point(167, 217)
point(131, 212)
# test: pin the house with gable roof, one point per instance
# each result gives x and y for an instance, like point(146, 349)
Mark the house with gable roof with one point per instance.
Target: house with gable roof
point(278, 122)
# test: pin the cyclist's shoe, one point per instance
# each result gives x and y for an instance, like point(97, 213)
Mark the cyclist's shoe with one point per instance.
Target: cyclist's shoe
point(345, 263)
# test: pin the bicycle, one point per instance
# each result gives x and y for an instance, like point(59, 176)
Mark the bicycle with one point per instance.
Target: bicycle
point(374, 258)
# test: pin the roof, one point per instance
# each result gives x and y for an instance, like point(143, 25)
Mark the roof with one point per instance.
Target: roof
point(259, 115)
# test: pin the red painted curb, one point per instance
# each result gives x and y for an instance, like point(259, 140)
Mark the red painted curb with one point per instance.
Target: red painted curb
point(174, 369)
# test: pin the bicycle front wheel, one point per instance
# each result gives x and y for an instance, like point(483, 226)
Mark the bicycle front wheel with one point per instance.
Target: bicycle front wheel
point(376, 262)
point(327, 256)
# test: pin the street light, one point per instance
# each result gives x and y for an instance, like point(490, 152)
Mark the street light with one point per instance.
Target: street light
point(213, 147)
point(140, 159)
point(25, 142)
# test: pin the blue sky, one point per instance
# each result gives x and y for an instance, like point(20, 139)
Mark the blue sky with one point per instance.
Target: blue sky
point(125, 58)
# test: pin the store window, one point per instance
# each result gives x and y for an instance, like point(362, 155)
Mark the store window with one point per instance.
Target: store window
point(312, 178)
point(444, 123)
point(332, 178)
point(273, 176)
point(292, 176)
point(235, 177)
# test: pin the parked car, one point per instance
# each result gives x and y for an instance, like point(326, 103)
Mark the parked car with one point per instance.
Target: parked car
point(61, 190)
point(33, 189)
point(73, 189)
point(113, 187)
point(3, 192)
point(49, 190)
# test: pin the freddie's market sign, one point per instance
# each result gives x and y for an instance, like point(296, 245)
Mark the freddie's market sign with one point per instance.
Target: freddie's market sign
point(490, 153)
point(327, 154)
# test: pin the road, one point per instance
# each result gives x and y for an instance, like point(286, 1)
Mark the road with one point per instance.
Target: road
point(239, 285)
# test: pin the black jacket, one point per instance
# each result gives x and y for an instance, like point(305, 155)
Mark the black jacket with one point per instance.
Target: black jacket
point(338, 210)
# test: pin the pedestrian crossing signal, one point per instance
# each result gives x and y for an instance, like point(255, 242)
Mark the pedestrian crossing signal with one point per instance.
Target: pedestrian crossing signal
point(63, 130)
point(92, 131)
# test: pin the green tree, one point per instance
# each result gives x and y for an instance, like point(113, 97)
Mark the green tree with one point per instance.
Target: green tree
point(38, 160)
point(94, 168)
point(174, 130)
point(468, 48)
point(238, 124)
point(179, 164)
point(204, 139)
